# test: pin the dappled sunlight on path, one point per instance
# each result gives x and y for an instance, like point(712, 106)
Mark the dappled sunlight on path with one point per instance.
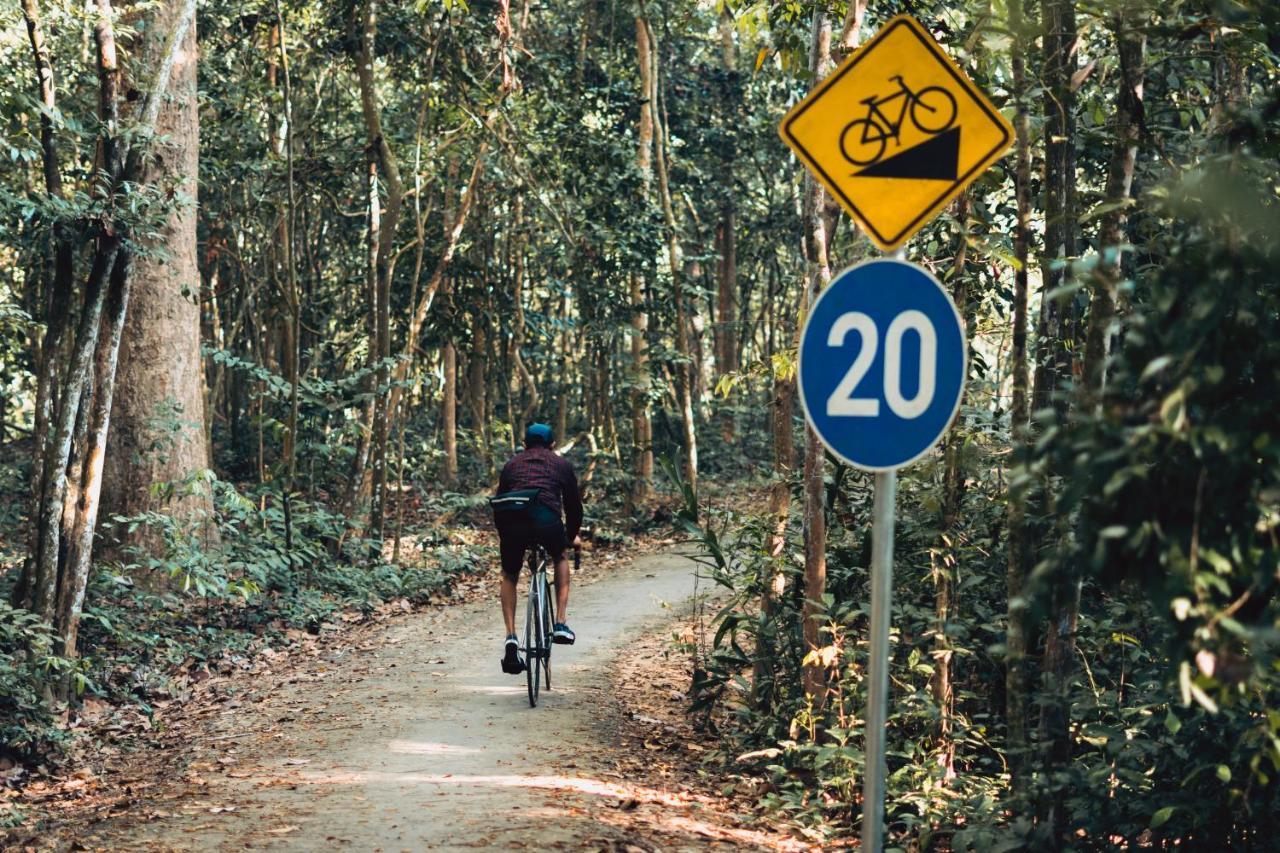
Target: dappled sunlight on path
point(422, 743)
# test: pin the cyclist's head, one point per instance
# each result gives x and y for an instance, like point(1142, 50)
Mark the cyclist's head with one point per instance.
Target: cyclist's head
point(537, 435)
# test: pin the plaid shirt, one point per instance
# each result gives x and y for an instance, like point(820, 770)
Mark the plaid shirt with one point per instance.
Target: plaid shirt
point(541, 468)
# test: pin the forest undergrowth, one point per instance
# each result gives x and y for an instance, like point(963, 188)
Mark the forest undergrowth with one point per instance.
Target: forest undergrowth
point(340, 254)
point(215, 596)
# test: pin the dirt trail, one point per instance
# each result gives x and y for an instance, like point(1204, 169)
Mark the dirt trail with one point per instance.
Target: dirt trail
point(424, 743)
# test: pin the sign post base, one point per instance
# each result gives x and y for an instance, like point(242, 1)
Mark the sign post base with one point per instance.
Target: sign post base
point(873, 782)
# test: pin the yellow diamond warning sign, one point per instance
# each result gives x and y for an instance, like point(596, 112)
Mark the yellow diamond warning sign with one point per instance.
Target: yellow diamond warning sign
point(897, 132)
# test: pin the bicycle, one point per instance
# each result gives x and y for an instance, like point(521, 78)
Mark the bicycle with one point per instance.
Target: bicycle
point(537, 626)
point(538, 622)
point(932, 110)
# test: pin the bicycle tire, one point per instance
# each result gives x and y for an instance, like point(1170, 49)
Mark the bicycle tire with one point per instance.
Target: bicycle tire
point(532, 625)
point(547, 629)
point(864, 144)
point(944, 108)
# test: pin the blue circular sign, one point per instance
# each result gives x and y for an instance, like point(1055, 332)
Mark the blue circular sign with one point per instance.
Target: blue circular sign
point(882, 364)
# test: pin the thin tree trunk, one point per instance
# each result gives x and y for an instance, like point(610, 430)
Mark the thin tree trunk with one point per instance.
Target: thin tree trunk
point(1058, 320)
point(450, 414)
point(381, 343)
point(75, 576)
point(1018, 543)
point(1058, 337)
point(522, 377)
point(953, 488)
point(726, 335)
point(56, 519)
point(773, 581)
point(360, 463)
point(641, 422)
point(1131, 47)
point(566, 381)
point(293, 337)
point(818, 275)
point(684, 370)
point(53, 491)
point(454, 224)
point(477, 382)
point(56, 302)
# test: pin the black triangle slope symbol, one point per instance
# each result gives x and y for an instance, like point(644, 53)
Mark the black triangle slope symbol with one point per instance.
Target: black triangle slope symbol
point(936, 159)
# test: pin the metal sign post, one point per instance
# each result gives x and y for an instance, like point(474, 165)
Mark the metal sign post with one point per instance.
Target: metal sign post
point(881, 370)
point(895, 133)
point(882, 517)
point(884, 512)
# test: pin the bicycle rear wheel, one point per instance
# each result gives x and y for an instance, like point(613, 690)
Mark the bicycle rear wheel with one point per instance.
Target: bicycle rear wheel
point(546, 629)
point(532, 628)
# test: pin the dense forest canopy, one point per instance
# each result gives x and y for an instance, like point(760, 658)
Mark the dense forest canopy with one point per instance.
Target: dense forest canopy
point(281, 284)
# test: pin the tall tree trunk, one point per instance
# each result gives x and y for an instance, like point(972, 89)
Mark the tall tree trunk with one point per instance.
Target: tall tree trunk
point(1058, 319)
point(360, 462)
point(448, 353)
point(55, 303)
point(1057, 344)
point(684, 371)
point(953, 488)
point(1131, 47)
point(1018, 548)
point(75, 574)
point(449, 414)
point(68, 494)
point(726, 237)
point(454, 223)
point(782, 433)
point(818, 275)
point(477, 383)
point(157, 419)
point(522, 378)
point(293, 330)
point(641, 423)
point(381, 344)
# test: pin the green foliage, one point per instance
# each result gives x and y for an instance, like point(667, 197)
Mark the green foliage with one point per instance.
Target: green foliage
point(27, 664)
point(212, 586)
point(1176, 487)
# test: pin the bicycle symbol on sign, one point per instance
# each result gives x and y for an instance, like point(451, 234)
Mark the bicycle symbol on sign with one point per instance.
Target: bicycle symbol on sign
point(932, 110)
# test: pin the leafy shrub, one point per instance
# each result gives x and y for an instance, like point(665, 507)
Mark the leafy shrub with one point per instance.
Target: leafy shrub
point(27, 664)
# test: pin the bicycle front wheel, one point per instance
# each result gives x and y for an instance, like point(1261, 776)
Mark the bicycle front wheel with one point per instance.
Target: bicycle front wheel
point(934, 109)
point(547, 629)
point(532, 628)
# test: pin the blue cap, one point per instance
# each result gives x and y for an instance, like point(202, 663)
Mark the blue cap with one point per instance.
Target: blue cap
point(538, 432)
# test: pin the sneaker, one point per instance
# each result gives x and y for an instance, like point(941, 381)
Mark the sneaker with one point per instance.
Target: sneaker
point(562, 635)
point(511, 662)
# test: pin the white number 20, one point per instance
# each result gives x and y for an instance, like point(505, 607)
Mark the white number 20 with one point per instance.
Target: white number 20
point(842, 403)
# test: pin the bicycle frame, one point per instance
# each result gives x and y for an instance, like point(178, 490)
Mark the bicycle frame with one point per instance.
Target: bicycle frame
point(876, 117)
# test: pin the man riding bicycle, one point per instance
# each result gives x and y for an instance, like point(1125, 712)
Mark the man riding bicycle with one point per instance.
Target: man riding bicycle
point(533, 488)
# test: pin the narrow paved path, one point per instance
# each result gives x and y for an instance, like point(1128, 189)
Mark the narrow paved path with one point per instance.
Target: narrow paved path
point(423, 743)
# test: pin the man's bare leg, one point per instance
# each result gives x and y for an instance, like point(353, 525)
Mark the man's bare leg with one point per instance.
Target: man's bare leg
point(562, 589)
point(508, 596)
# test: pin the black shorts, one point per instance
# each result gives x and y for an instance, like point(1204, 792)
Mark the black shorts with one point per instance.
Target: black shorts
point(518, 534)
